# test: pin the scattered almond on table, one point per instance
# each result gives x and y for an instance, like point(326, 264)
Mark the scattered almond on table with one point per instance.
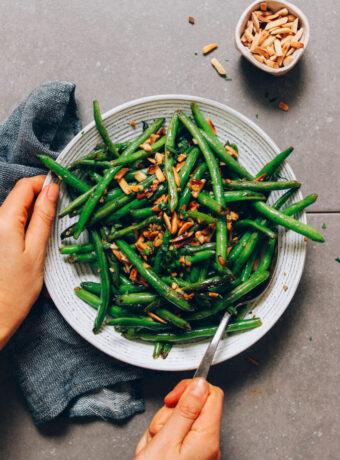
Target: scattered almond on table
point(273, 37)
point(191, 20)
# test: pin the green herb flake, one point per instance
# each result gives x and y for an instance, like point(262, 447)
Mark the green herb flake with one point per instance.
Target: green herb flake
point(337, 260)
point(323, 226)
point(229, 79)
point(196, 54)
point(310, 338)
point(257, 115)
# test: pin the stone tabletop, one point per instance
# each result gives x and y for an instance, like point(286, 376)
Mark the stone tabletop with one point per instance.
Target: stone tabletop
point(115, 51)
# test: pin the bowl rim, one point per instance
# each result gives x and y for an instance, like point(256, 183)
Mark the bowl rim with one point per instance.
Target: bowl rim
point(248, 55)
point(290, 293)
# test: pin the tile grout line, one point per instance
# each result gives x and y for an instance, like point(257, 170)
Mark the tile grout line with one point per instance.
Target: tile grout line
point(322, 212)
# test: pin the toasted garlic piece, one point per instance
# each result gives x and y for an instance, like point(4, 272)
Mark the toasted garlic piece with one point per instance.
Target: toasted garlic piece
point(218, 66)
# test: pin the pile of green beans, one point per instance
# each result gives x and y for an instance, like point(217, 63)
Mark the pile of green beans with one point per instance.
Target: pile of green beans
point(178, 230)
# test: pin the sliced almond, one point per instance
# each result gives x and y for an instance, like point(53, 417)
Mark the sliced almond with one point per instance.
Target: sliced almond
point(153, 138)
point(159, 174)
point(256, 22)
point(272, 64)
point(218, 66)
point(191, 20)
point(296, 44)
point(151, 160)
point(249, 36)
point(263, 6)
point(277, 47)
point(259, 58)
point(179, 166)
point(159, 157)
point(283, 106)
point(282, 12)
point(136, 188)
point(255, 41)
point(264, 35)
point(140, 176)
point(121, 173)
point(261, 51)
point(212, 126)
point(290, 52)
point(298, 35)
point(279, 22)
point(181, 157)
point(291, 17)
point(132, 123)
point(271, 50)
point(162, 199)
point(167, 221)
point(124, 186)
point(281, 30)
point(268, 42)
point(185, 227)
point(196, 186)
point(287, 60)
point(208, 48)
point(147, 147)
point(177, 178)
point(294, 26)
point(231, 151)
point(174, 223)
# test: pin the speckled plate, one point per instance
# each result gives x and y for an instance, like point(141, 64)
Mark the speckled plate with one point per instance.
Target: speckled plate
point(255, 148)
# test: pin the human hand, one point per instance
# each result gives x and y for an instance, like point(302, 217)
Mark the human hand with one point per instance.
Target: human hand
point(187, 427)
point(23, 249)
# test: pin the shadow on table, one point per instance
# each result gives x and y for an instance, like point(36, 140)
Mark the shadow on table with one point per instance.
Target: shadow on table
point(266, 89)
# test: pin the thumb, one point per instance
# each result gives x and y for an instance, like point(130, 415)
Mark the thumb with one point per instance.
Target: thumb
point(39, 228)
point(187, 411)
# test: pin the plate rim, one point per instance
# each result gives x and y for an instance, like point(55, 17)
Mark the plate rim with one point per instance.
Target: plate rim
point(182, 97)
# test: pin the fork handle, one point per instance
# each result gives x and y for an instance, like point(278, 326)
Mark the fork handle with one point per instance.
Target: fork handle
point(204, 367)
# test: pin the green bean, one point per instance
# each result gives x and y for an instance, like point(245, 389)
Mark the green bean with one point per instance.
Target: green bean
point(288, 222)
point(201, 217)
point(172, 318)
point(93, 200)
point(186, 194)
point(205, 284)
point(261, 186)
point(77, 202)
point(76, 248)
point(199, 257)
point(200, 120)
point(94, 301)
point(256, 225)
point(243, 195)
point(139, 155)
point(193, 249)
point(132, 228)
point(94, 176)
point(137, 298)
point(168, 162)
point(206, 200)
point(91, 286)
point(222, 304)
point(84, 258)
point(166, 350)
point(194, 274)
point(137, 323)
point(174, 279)
point(236, 251)
point(300, 205)
point(143, 213)
point(113, 269)
point(217, 185)
point(157, 351)
point(64, 174)
point(152, 305)
point(105, 291)
point(248, 268)
point(133, 146)
point(195, 333)
point(267, 256)
point(103, 132)
point(283, 198)
point(246, 252)
point(216, 145)
point(189, 163)
point(163, 289)
point(203, 272)
point(275, 163)
point(88, 156)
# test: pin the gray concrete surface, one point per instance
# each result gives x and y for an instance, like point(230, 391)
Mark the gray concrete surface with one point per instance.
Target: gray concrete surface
point(287, 407)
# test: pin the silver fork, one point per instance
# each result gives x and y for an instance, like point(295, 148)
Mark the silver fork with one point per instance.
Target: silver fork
point(206, 362)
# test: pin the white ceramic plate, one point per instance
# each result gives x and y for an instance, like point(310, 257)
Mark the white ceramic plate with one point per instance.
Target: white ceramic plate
point(255, 148)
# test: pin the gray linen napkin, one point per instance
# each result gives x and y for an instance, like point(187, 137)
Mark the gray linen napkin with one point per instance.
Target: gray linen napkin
point(56, 369)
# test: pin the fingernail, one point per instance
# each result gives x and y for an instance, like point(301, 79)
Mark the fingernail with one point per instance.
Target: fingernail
point(199, 387)
point(53, 192)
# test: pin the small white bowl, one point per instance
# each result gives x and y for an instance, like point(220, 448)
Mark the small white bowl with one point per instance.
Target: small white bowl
point(274, 6)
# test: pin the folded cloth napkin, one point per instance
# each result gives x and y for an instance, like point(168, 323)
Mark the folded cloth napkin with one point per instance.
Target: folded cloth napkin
point(56, 369)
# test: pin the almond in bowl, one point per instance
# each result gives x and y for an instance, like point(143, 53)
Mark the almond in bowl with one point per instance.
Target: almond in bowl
point(272, 35)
